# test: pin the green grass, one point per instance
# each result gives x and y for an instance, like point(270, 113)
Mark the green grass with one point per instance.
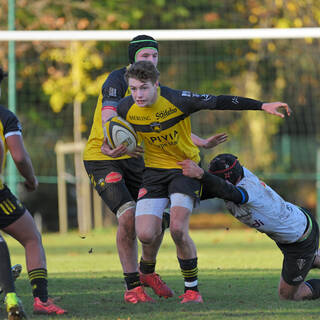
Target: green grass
point(238, 276)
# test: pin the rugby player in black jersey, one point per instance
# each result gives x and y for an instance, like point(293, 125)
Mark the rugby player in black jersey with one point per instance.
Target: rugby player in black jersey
point(117, 178)
point(16, 220)
point(251, 201)
point(161, 118)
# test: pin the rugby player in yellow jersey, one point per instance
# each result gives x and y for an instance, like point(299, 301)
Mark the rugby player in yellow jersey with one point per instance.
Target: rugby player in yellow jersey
point(161, 118)
point(16, 220)
point(118, 177)
point(13, 303)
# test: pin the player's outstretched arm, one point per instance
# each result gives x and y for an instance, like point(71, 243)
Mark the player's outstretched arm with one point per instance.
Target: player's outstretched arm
point(215, 186)
point(210, 142)
point(273, 108)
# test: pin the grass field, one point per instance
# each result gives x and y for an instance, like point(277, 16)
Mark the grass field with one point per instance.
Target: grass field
point(238, 275)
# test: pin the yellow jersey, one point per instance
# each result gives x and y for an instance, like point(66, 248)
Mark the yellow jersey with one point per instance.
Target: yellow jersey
point(113, 90)
point(165, 126)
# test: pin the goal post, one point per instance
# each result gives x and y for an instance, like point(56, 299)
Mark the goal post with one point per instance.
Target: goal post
point(162, 35)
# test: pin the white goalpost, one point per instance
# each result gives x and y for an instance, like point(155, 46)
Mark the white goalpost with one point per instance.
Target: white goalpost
point(161, 35)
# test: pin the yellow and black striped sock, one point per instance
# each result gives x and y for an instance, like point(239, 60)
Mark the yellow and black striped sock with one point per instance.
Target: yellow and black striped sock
point(39, 283)
point(132, 280)
point(147, 266)
point(189, 270)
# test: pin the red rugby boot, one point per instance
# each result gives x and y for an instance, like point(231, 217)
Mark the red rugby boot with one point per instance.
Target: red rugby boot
point(154, 281)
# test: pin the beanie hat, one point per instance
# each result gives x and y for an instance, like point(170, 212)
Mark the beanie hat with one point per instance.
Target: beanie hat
point(138, 43)
point(227, 167)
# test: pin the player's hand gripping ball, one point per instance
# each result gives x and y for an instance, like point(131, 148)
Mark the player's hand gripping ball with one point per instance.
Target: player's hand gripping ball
point(118, 131)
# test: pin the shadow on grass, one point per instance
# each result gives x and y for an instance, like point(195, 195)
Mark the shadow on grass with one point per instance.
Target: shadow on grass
point(227, 294)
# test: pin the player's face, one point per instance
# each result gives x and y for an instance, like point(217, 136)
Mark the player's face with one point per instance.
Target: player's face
point(143, 93)
point(148, 55)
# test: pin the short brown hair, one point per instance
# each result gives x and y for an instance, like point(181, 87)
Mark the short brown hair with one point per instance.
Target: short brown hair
point(143, 71)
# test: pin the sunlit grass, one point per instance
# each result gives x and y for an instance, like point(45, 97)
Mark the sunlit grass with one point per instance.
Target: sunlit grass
point(238, 275)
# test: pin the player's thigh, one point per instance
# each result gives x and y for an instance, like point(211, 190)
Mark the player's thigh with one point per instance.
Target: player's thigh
point(298, 257)
point(108, 179)
point(183, 185)
point(24, 229)
point(180, 211)
point(149, 214)
point(133, 171)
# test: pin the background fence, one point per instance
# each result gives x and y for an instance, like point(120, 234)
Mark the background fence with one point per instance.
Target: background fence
point(52, 75)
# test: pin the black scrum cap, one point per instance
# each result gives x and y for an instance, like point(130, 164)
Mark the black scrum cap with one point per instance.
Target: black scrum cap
point(226, 166)
point(138, 43)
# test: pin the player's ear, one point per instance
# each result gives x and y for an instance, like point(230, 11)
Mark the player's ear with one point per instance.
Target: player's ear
point(157, 83)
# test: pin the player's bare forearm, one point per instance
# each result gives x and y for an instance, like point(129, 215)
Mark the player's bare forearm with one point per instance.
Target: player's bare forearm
point(22, 161)
point(106, 114)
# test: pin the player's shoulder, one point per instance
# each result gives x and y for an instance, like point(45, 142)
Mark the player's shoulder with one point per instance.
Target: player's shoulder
point(173, 95)
point(6, 114)
point(115, 77)
point(124, 106)
point(115, 86)
point(252, 184)
point(117, 73)
point(169, 92)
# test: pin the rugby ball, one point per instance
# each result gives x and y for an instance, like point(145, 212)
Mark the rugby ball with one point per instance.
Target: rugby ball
point(118, 131)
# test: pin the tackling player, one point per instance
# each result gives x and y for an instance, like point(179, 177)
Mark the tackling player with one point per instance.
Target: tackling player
point(161, 118)
point(16, 220)
point(251, 201)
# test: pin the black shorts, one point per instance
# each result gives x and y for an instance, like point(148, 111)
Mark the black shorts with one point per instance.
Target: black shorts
point(11, 209)
point(299, 256)
point(117, 181)
point(161, 183)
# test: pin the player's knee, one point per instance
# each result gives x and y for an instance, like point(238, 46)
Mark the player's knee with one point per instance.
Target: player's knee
point(126, 226)
point(146, 236)
point(177, 233)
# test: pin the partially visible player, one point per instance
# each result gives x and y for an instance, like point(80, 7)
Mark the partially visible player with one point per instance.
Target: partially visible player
point(161, 118)
point(251, 201)
point(16, 220)
point(13, 304)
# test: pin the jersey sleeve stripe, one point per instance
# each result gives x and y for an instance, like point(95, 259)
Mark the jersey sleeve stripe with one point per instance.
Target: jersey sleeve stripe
point(244, 195)
point(12, 133)
point(109, 108)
